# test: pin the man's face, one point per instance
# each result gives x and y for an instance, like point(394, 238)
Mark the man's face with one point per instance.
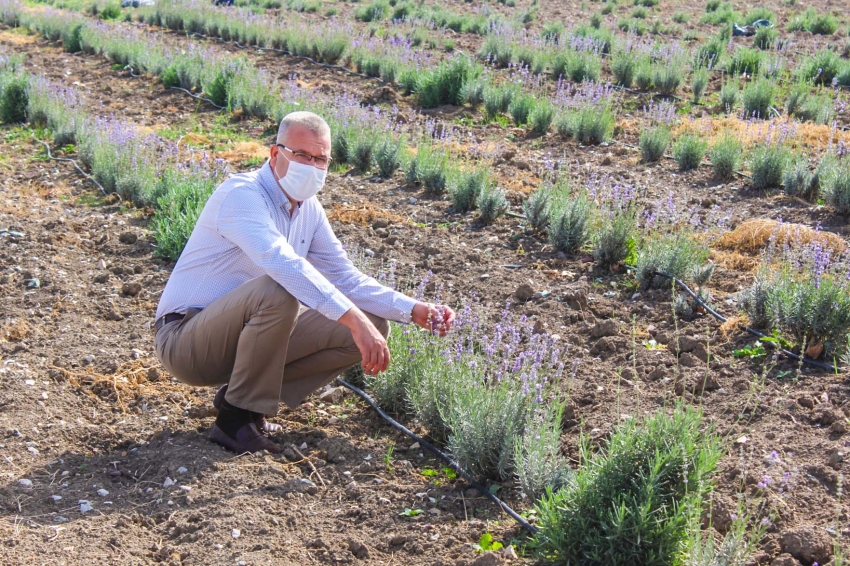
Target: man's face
point(301, 146)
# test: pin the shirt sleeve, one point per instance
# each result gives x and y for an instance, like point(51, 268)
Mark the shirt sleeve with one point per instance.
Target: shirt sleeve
point(244, 219)
point(328, 256)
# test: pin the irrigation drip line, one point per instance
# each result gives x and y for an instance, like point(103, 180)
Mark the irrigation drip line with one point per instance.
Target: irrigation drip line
point(752, 331)
point(441, 455)
point(195, 96)
point(76, 166)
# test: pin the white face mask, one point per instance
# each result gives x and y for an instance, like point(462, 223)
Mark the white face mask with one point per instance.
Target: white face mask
point(301, 181)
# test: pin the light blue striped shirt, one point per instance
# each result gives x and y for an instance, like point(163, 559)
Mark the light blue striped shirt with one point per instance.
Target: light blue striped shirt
point(245, 231)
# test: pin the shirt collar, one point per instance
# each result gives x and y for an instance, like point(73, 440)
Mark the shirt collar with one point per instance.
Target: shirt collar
point(272, 188)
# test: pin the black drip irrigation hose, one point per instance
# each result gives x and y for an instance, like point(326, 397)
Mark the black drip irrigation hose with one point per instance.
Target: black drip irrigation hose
point(753, 331)
point(76, 166)
point(195, 96)
point(441, 455)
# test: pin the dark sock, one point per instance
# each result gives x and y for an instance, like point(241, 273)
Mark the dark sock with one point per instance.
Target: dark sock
point(230, 418)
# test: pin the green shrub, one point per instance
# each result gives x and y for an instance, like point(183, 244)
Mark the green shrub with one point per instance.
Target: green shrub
point(834, 180)
point(676, 255)
point(538, 462)
point(444, 84)
point(745, 61)
point(636, 501)
point(758, 98)
point(765, 38)
point(569, 224)
point(536, 209)
point(808, 306)
point(821, 67)
point(725, 156)
point(578, 66)
point(13, 98)
point(428, 168)
point(666, 77)
point(640, 13)
point(340, 146)
point(72, 41)
point(653, 143)
point(110, 12)
point(767, 165)
point(699, 82)
point(497, 51)
point(541, 116)
point(759, 13)
point(647, 3)
point(588, 125)
point(388, 156)
point(552, 31)
point(467, 186)
point(637, 27)
point(813, 22)
point(615, 239)
point(472, 92)
point(498, 98)
point(374, 12)
point(688, 151)
point(491, 203)
point(729, 96)
point(623, 67)
point(643, 76)
point(712, 5)
point(709, 54)
point(521, 107)
point(798, 180)
point(390, 388)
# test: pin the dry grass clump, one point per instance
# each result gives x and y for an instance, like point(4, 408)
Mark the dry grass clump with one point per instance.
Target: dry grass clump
point(15, 331)
point(244, 151)
point(734, 261)
point(363, 214)
point(806, 134)
point(753, 236)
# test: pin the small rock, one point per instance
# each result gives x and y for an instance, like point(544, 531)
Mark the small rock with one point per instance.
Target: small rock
point(806, 402)
point(182, 470)
point(369, 252)
point(836, 457)
point(168, 482)
point(88, 360)
point(131, 289)
point(236, 533)
point(604, 328)
point(127, 238)
point(25, 482)
point(102, 492)
point(473, 257)
point(33, 283)
point(508, 552)
point(56, 497)
point(114, 316)
point(785, 559)
point(380, 223)
point(85, 506)
point(487, 559)
point(412, 200)
point(524, 293)
point(332, 395)
point(839, 426)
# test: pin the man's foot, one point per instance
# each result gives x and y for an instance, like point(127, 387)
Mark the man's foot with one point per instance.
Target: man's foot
point(248, 439)
point(262, 424)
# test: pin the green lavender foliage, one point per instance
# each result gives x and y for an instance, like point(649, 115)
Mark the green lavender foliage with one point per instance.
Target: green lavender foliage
point(635, 501)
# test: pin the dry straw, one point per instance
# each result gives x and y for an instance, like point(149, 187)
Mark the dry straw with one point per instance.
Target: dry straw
point(753, 236)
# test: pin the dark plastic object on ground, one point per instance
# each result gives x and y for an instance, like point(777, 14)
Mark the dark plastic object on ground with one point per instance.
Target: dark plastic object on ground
point(746, 31)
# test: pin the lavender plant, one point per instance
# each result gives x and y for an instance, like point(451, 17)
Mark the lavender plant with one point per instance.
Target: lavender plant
point(758, 98)
point(14, 97)
point(768, 162)
point(688, 151)
point(588, 118)
point(388, 156)
point(729, 96)
point(798, 180)
point(834, 180)
point(538, 462)
point(653, 143)
point(699, 82)
point(569, 224)
point(466, 186)
point(536, 209)
point(675, 254)
point(725, 155)
point(428, 168)
point(57, 108)
point(491, 203)
point(541, 116)
point(635, 501)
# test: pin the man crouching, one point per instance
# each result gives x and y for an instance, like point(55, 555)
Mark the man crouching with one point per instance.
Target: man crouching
point(264, 300)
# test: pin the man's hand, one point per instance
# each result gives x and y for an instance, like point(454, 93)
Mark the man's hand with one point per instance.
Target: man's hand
point(371, 343)
point(433, 318)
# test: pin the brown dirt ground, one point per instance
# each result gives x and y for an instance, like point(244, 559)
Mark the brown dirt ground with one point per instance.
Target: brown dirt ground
point(85, 406)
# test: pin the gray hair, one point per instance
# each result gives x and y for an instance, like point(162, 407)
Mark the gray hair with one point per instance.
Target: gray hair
point(311, 122)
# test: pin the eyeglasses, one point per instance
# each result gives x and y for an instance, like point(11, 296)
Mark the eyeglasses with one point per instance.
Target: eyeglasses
point(305, 158)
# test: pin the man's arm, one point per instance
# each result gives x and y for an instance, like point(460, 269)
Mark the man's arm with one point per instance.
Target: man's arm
point(244, 219)
point(328, 256)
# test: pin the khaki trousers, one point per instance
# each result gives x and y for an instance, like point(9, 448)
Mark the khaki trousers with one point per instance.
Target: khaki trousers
point(261, 342)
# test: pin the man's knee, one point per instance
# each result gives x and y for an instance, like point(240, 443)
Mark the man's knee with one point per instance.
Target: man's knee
point(270, 294)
